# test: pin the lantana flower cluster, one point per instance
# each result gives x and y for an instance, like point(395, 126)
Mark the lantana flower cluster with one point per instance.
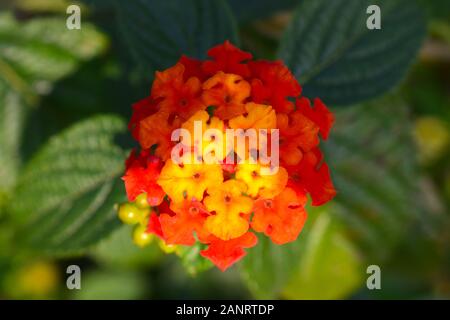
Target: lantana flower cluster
point(223, 205)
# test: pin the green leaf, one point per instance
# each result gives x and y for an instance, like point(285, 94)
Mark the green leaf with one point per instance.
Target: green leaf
point(372, 159)
point(118, 250)
point(248, 10)
point(159, 32)
point(267, 267)
point(32, 55)
point(191, 259)
point(439, 9)
point(112, 285)
point(67, 192)
point(44, 49)
point(12, 114)
point(337, 58)
point(330, 267)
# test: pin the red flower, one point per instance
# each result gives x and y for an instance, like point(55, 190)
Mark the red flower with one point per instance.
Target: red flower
point(273, 84)
point(192, 68)
point(228, 59)
point(319, 114)
point(140, 177)
point(141, 110)
point(225, 253)
point(312, 175)
point(154, 226)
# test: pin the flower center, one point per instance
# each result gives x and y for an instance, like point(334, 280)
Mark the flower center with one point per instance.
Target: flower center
point(268, 204)
point(193, 210)
point(183, 102)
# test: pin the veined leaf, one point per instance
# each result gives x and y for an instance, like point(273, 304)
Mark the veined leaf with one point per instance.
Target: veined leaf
point(249, 10)
point(44, 49)
point(159, 32)
point(32, 56)
point(67, 192)
point(337, 58)
point(373, 162)
point(12, 114)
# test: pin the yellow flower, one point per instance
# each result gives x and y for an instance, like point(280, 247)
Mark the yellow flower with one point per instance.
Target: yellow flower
point(211, 134)
point(244, 142)
point(228, 202)
point(260, 184)
point(259, 116)
point(188, 180)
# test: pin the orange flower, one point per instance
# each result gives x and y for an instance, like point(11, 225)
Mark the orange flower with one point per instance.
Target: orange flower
point(298, 134)
point(189, 218)
point(260, 184)
point(225, 253)
point(188, 181)
point(281, 218)
point(157, 130)
point(229, 205)
point(178, 96)
point(227, 92)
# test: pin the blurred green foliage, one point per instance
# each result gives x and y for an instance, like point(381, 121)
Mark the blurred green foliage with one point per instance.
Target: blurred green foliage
point(65, 97)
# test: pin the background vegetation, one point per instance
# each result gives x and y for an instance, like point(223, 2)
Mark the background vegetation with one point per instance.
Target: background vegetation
point(66, 95)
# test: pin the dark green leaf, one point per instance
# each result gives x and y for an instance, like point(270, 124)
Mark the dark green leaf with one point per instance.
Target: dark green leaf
point(373, 163)
point(248, 10)
point(68, 191)
point(337, 58)
point(159, 32)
